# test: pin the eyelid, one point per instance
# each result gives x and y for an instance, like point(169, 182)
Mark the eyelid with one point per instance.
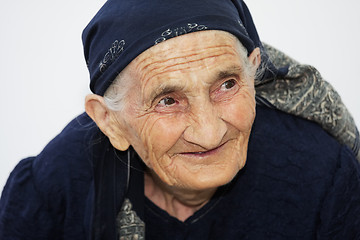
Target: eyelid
point(219, 84)
point(163, 91)
point(179, 105)
point(233, 80)
point(219, 94)
point(160, 97)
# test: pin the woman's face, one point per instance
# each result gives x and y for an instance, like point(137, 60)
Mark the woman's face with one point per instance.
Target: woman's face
point(190, 108)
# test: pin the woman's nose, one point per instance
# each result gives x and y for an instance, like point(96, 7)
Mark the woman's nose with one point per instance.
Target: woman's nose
point(207, 128)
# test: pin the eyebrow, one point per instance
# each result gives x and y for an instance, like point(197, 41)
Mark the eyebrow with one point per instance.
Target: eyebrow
point(164, 89)
point(230, 72)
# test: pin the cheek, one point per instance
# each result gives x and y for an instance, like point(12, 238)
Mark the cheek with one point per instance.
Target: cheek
point(240, 112)
point(158, 135)
point(166, 132)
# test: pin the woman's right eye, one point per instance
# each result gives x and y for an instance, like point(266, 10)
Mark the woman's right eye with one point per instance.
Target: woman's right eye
point(166, 102)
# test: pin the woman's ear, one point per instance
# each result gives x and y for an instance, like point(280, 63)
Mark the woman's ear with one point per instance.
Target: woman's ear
point(96, 108)
point(255, 59)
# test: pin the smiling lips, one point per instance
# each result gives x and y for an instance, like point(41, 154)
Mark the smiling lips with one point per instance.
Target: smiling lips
point(205, 153)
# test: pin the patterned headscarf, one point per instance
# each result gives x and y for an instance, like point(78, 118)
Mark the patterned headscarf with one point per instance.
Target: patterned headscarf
point(122, 30)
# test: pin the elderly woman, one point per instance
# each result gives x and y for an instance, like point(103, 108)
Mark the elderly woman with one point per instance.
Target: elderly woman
point(174, 145)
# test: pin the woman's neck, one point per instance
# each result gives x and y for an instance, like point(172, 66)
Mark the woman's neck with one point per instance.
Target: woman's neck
point(178, 202)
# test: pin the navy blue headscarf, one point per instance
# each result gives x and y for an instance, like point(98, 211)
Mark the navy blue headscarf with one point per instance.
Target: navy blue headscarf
point(123, 29)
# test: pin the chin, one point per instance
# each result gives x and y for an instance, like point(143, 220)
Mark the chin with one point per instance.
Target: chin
point(210, 179)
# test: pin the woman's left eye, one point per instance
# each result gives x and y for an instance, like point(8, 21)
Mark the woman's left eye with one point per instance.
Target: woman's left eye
point(226, 90)
point(228, 84)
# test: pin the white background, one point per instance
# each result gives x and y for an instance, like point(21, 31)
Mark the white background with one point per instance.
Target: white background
point(44, 78)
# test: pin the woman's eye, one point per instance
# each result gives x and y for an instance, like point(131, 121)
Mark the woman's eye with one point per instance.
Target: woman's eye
point(228, 84)
point(165, 102)
point(226, 90)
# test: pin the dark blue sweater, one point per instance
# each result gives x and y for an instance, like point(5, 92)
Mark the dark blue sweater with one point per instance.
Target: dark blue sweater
point(298, 183)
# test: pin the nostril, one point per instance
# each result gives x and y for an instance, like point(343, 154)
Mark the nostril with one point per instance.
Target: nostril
point(207, 134)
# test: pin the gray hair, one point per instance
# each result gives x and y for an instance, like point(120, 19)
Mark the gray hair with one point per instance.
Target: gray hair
point(117, 92)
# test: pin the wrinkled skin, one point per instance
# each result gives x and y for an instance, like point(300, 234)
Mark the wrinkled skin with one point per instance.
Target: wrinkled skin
point(190, 109)
point(188, 114)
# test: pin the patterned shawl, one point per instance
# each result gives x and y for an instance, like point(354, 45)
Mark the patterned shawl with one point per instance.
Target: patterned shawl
point(304, 93)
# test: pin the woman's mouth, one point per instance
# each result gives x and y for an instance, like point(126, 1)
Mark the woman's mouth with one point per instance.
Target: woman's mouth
point(204, 153)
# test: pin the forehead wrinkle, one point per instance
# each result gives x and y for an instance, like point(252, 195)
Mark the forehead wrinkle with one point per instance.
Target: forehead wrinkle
point(185, 55)
point(149, 70)
point(187, 62)
point(175, 67)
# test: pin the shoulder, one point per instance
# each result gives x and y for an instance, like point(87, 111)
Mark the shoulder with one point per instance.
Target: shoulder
point(63, 171)
point(40, 188)
point(293, 137)
point(296, 152)
point(72, 142)
point(300, 170)
point(68, 155)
